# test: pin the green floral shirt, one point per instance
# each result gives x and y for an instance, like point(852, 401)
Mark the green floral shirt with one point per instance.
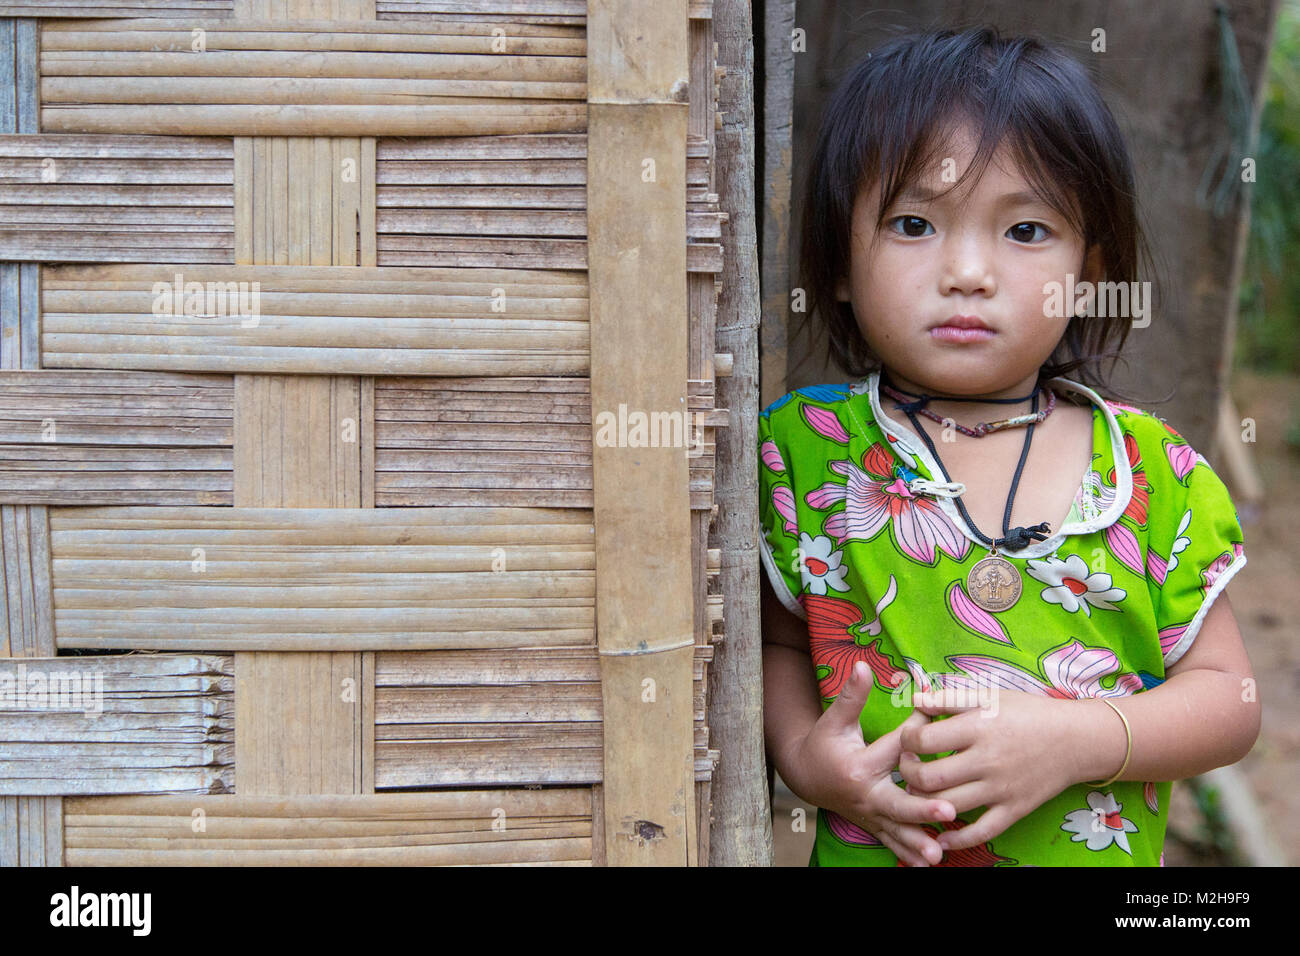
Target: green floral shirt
point(863, 540)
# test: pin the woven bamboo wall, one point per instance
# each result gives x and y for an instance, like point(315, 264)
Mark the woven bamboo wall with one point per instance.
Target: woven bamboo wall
point(365, 543)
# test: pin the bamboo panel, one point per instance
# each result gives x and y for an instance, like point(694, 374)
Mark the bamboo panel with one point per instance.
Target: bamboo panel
point(307, 78)
point(321, 579)
point(480, 717)
point(479, 827)
point(133, 723)
point(116, 198)
point(116, 438)
point(314, 319)
point(509, 441)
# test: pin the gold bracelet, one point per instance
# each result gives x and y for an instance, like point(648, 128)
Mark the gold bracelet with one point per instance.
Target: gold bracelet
point(1128, 752)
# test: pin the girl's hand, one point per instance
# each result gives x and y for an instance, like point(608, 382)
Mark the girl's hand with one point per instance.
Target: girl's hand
point(834, 768)
point(1013, 755)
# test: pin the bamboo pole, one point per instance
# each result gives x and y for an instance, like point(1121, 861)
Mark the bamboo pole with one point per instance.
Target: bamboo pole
point(637, 89)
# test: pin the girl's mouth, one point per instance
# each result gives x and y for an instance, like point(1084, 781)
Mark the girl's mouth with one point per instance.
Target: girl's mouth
point(950, 333)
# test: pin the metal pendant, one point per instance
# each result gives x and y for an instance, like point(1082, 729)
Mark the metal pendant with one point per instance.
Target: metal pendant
point(994, 583)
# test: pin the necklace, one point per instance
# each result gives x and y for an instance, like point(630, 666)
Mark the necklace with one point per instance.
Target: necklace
point(983, 428)
point(993, 582)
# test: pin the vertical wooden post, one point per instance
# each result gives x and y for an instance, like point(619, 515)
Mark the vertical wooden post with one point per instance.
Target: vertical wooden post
point(741, 832)
point(636, 214)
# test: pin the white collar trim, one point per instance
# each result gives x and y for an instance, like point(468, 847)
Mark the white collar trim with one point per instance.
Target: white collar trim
point(913, 445)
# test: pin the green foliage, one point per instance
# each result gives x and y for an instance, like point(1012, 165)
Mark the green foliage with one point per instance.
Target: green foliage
point(1269, 297)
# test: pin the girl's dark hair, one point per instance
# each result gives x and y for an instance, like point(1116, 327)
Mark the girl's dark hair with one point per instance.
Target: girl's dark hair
point(889, 119)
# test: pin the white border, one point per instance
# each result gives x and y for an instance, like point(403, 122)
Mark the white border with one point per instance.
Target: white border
point(913, 445)
point(1178, 650)
point(778, 580)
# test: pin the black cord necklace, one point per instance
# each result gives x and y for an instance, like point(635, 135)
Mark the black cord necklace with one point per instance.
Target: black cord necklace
point(994, 582)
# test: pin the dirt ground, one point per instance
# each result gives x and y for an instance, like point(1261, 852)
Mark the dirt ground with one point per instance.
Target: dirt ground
point(1269, 622)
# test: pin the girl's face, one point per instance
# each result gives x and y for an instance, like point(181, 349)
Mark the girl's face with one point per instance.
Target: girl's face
point(987, 254)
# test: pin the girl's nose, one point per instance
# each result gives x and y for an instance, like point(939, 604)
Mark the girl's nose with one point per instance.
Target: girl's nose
point(968, 267)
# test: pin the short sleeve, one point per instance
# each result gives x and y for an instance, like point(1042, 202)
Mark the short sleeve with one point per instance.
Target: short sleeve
point(778, 519)
point(1196, 545)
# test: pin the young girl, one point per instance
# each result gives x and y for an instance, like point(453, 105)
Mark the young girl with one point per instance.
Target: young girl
point(981, 649)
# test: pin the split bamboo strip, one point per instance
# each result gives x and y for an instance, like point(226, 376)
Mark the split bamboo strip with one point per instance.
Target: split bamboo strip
point(117, 8)
point(115, 438)
point(639, 321)
point(133, 723)
point(310, 319)
point(31, 831)
point(318, 579)
point(27, 618)
point(18, 53)
point(508, 441)
point(299, 722)
point(308, 78)
point(20, 319)
point(481, 827)
point(518, 716)
point(69, 197)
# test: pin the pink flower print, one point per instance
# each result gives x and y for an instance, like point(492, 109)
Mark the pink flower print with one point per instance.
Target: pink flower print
point(1170, 636)
point(1100, 824)
point(848, 831)
point(825, 423)
point(1220, 564)
point(1150, 797)
point(1182, 459)
point(783, 502)
point(1071, 586)
point(875, 498)
point(1073, 670)
point(771, 456)
point(1123, 543)
point(1120, 406)
point(973, 617)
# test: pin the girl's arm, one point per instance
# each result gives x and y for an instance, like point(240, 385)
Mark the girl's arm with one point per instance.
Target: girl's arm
point(1206, 714)
point(822, 756)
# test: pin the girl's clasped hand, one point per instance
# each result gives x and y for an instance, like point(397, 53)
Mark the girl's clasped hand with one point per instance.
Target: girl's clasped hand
point(1014, 752)
point(1010, 753)
point(834, 768)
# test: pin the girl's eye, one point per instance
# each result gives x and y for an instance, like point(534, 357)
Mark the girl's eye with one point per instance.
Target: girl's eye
point(1018, 233)
point(911, 223)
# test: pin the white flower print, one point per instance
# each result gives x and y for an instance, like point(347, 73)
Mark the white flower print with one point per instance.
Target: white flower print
point(1180, 542)
point(1071, 586)
point(820, 564)
point(1100, 824)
